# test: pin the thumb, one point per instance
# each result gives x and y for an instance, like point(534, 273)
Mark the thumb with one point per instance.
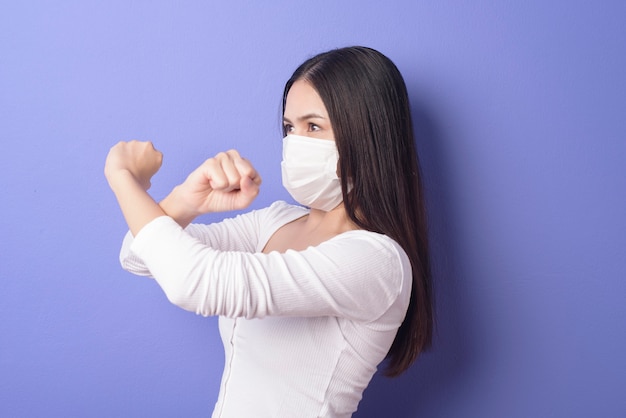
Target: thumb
point(249, 188)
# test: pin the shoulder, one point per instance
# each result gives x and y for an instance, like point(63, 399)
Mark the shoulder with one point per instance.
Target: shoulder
point(269, 219)
point(371, 239)
point(373, 254)
point(282, 209)
point(378, 266)
point(279, 212)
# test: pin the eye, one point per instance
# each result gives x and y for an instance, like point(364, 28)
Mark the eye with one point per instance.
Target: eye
point(287, 128)
point(313, 127)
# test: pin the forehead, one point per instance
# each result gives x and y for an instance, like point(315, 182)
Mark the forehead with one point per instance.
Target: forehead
point(303, 99)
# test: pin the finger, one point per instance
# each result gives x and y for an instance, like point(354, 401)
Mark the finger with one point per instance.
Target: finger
point(158, 158)
point(245, 168)
point(212, 170)
point(222, 173)
point(249, 189)
point(230, 170)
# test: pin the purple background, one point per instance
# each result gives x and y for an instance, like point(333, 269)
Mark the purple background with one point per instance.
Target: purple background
point(522, 120)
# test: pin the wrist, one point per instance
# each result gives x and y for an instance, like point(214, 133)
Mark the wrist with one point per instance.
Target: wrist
point(175, 208)
point(119, 178)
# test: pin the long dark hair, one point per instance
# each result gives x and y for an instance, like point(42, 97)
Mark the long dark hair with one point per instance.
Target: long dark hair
point(367, 102)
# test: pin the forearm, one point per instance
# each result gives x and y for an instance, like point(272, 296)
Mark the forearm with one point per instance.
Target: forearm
point(136, 204)
point(171, 207)
point(225, 182)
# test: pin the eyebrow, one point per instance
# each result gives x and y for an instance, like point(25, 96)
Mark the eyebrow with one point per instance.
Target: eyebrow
point(306, 117)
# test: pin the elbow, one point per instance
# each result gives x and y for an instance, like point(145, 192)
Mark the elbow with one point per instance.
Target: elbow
point(185, 301)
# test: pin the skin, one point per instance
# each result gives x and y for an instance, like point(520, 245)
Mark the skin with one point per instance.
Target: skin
point(225, 182)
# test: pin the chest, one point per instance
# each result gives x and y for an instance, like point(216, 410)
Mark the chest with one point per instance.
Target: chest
point(294, 236)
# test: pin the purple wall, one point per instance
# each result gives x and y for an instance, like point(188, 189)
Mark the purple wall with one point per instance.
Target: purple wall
point(521, 111)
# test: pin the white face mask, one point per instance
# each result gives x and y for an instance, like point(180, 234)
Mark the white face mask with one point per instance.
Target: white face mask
point(309, 171)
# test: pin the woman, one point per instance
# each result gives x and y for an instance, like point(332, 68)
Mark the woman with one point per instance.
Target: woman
point(311, 298)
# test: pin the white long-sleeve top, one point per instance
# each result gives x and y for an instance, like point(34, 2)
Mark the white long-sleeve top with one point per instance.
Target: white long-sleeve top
point(303, 331)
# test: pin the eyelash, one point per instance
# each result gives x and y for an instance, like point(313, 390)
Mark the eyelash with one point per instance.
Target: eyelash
point(312, 127)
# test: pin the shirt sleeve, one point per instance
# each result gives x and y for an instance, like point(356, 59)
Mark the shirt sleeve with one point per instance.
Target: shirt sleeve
point(359, 275)
point(246, 232)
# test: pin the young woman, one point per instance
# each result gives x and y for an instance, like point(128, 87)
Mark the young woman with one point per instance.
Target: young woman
point(311, 298)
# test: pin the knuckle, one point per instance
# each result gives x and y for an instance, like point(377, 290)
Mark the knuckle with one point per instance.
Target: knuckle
point(218, 183)
point(234, 154)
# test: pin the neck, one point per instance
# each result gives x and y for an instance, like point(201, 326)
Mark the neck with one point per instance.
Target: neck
point(334, 221)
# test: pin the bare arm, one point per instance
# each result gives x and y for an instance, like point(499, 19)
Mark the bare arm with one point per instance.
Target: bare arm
point(224, 182)
point(129, 167)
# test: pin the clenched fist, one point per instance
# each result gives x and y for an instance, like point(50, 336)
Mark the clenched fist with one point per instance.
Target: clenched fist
point(140, 159)
point(222, 183)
